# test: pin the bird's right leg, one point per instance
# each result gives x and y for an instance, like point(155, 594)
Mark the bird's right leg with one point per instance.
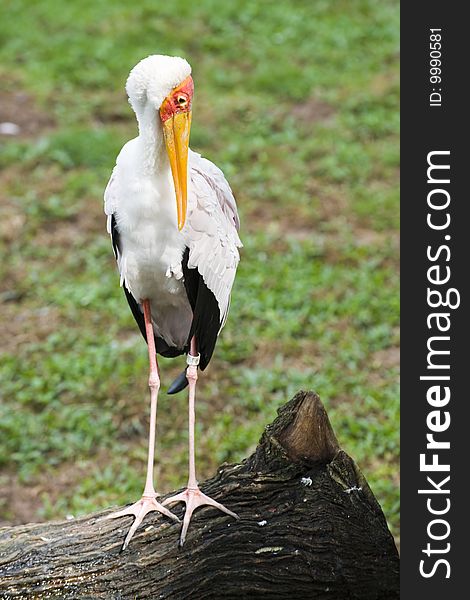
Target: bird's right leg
point(192, 496)
point(148, 501)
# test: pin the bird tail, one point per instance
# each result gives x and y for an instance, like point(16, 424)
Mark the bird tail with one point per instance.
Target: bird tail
point(178, 384)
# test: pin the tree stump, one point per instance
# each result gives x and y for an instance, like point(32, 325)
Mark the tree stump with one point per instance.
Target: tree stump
point(309, 527)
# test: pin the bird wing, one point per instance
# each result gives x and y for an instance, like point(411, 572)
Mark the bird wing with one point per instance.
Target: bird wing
point(110, 206)
point(211, 230)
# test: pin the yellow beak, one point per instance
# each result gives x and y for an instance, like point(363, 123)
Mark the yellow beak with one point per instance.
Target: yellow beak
point(176, 131)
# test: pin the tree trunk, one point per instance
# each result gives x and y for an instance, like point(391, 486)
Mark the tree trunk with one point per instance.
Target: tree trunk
point(309, 527)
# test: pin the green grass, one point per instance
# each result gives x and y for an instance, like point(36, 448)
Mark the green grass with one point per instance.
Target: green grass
point(298, 103)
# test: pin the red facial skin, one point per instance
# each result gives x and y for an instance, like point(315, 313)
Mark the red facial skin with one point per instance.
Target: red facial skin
point(179, 100)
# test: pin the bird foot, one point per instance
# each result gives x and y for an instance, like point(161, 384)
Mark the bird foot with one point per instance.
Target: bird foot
point(193, 498)
point(138, 510)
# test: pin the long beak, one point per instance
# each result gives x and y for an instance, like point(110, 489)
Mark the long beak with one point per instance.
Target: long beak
point(176, 131)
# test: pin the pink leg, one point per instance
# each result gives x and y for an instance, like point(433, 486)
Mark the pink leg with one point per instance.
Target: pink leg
point(148, 501)
point(192, 495)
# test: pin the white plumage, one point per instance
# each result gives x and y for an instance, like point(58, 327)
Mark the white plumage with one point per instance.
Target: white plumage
point(141, 196)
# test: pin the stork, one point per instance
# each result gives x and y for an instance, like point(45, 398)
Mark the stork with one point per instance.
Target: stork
point(174, 227)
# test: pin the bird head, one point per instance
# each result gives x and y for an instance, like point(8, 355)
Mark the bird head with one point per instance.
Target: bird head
point(165, 83)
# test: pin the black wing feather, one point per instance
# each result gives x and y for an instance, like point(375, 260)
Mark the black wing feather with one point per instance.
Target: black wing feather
point(206, 313)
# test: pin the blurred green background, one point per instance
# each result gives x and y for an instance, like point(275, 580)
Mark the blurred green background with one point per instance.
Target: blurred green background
point(297, 101)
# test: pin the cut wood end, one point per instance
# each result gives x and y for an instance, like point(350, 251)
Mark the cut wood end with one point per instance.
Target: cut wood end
point(304, 430)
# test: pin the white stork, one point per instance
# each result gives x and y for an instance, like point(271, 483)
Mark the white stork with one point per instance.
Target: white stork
point(174, 227)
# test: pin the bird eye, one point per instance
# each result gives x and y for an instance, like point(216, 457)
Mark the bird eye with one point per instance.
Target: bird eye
point(182, 100)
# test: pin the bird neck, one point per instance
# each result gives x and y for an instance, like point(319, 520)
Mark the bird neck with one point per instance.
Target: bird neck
point(154, 155)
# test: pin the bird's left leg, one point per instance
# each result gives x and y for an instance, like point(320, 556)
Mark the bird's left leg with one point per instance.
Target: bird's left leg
point(192, 495)
point(148, 501)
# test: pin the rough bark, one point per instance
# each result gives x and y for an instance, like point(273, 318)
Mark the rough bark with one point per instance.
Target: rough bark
point(309, 527)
